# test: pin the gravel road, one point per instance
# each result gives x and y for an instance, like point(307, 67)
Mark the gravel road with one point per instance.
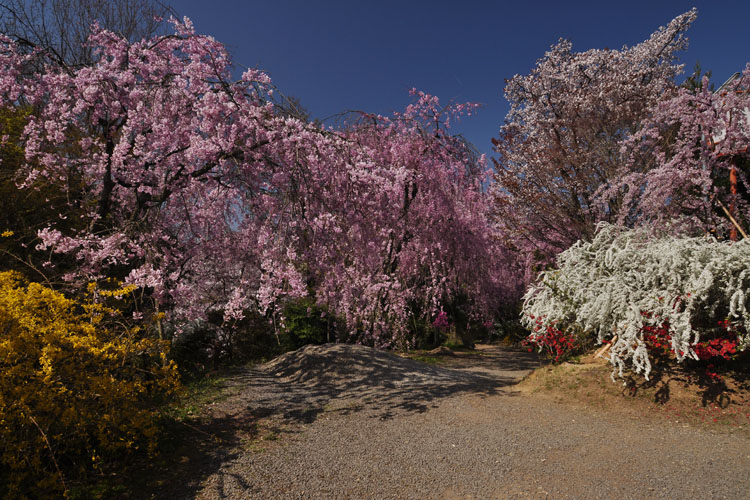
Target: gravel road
point(343, 421)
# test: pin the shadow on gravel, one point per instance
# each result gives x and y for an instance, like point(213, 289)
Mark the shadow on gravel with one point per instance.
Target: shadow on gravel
point(189, 453)
point(298, 387)
point(496, 359)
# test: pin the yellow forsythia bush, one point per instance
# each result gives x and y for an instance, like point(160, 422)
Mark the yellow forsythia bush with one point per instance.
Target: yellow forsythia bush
point(72, 391)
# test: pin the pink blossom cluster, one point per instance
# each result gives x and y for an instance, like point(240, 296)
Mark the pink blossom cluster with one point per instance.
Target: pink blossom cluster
point(201, 192)
point(441, 320)
point(692, 141)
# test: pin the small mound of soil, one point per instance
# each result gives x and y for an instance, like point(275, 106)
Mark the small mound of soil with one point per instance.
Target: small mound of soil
point(673, 392)
point(348, 364)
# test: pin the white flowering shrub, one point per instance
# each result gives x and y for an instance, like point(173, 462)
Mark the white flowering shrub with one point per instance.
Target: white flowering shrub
point(630, 284)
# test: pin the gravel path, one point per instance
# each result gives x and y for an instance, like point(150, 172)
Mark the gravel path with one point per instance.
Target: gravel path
point(351, 422)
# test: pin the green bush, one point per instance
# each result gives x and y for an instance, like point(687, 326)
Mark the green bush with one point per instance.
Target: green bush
point(306, 323)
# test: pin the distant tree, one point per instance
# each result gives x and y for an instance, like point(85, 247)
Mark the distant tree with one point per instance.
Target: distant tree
point(694, 82)
point(61, 27)
point(561, 140)
point(292, 106)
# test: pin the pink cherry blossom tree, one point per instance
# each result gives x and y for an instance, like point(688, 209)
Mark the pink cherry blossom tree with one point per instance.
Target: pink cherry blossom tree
point(561, 140)
point(399, 225)
point(696, 141)
point(201, 192)
point(174, 160)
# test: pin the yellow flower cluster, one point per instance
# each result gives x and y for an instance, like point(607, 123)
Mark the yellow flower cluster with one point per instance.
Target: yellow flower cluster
point(71, 388)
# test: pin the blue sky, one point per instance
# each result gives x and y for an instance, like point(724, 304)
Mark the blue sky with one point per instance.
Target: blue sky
point(366, 55)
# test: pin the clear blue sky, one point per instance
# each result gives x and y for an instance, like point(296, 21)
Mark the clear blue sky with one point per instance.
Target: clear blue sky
point(366, 55)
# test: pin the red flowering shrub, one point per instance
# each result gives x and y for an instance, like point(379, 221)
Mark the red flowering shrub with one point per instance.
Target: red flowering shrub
point(724, 348)
point(555, 342)
point(721, 345)
point(658, 338)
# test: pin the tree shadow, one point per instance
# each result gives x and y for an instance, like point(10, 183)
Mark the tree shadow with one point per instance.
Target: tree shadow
point(300, 385)
point(294, 390)
point(713, 390)
point(189, 451)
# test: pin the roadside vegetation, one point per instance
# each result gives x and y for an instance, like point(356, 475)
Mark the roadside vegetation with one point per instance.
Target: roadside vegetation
point(164, 221)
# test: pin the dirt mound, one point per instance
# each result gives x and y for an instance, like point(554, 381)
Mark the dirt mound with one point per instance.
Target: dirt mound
point(356, 365)
point(297, 387)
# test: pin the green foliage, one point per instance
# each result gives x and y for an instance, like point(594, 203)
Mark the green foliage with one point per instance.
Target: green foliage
point(202, 347)
point(507, 327)
point(207, 346)
point(453, 345)
point(195, 395)
point(430, 360)
point(306, 323)
point(694, 82)
point(424, 334)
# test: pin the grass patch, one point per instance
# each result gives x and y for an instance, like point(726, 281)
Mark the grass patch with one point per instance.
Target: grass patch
point(196, 395)
point(423, 358)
